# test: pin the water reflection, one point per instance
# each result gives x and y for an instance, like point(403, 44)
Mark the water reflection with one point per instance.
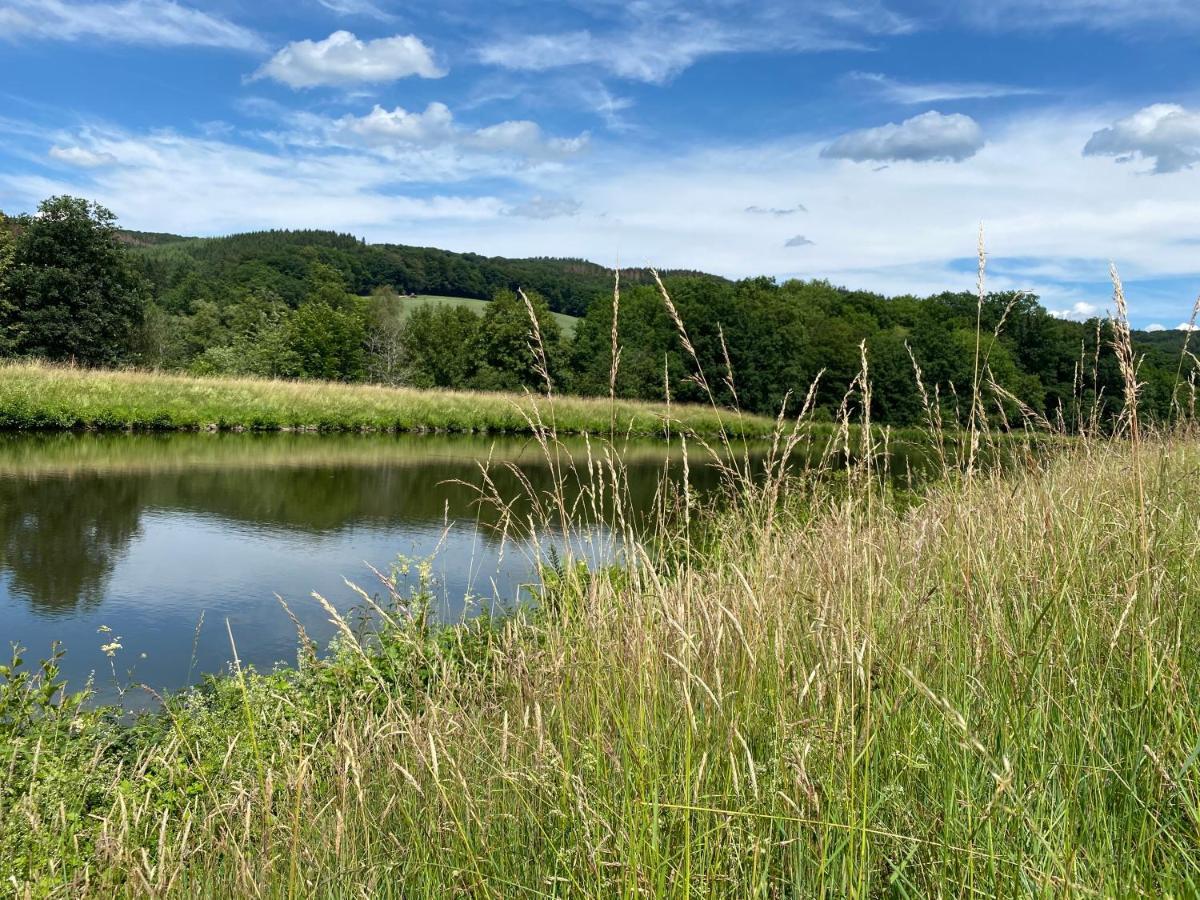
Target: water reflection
point(142, 533)
point(60, 537)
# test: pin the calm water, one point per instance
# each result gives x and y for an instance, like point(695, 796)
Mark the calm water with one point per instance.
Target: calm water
point(143, 534)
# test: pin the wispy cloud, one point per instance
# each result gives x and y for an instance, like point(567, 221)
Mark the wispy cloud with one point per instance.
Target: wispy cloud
point(654, 40)
point(185, 184)
point(928, 137)
point(342, 59)
point(160, 22)
point(539, 207)
point(80, 156)
point(1011, 15)
point(917, 93)
point(363, 8)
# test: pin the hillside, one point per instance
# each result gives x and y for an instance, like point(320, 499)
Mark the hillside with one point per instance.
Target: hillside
point(279, 259)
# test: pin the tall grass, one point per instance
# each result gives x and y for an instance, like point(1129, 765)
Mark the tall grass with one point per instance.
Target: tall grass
point(36, 396)
point(816, 688)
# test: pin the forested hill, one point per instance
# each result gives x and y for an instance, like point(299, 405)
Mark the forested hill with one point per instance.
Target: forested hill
point(316, 304)
point(279, 261)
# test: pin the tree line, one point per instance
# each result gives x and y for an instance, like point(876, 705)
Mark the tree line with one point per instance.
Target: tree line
point(321, 305)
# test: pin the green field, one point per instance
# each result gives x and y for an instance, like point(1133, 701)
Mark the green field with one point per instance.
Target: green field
point(567, 323)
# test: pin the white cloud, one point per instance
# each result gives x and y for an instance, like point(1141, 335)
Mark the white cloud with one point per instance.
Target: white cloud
point(523, 137)
point(798, 241)
point(397, 131)
point(171, 182)
point(654, 40)
point(1156, 327)
point(79, 156)
point(1079, 311)
point(1187, 326)
point(159, 22)
point(928, 137)
point(343, 59)
point(1164, 132)
point(540, 207)
point(381, 127)
point(917, 93)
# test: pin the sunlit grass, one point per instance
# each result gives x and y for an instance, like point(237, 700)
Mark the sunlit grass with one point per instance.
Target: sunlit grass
point(37, 396)
point(988, 692)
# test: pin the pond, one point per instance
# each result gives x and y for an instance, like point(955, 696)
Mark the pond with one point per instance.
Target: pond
point(160, 540)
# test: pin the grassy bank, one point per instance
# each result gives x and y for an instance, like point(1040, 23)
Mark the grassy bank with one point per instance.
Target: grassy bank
point(993, 691)
point(43, 397)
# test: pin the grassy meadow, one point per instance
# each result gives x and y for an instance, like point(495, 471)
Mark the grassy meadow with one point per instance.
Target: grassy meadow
point(35, 396)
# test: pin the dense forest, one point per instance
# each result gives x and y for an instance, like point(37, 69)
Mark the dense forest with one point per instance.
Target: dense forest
point(313, 304)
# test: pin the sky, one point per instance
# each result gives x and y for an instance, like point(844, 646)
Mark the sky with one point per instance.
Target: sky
point(861, 142)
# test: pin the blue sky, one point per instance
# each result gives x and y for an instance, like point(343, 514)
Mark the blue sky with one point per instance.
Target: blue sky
point(862, 142)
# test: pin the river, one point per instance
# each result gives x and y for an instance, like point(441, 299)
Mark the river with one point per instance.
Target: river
point(167, 544)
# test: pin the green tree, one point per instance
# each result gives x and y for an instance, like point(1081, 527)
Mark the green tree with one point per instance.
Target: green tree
point(438, 346)
point(70, 291)
point(504, 346)
point(8, 231)
point(385, 335)
point(324, 342)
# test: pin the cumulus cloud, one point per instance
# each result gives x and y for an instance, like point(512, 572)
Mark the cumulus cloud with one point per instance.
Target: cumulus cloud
point(382, 127)
point(1080, 311)
point(436, 127)
point(1167, 133)
point(928, 137)
point(524, 137)
point(1187, 326)
point(917, 93)
point(540, 207)
point(1156, 327)
point(82, 157)
point(343, 59)
point(160, 22)
point(798, 241)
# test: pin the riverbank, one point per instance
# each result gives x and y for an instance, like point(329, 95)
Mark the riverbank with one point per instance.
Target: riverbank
point(42, 397)
point(992, 691)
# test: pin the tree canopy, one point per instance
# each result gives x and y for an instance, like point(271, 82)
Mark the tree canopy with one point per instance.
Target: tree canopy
point(68, 290)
